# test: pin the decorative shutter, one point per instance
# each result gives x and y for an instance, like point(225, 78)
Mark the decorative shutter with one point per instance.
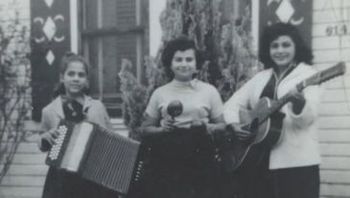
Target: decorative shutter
point(50, 39)
point(296, 12)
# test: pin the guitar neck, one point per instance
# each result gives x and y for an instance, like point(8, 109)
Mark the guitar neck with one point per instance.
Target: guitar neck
point(316, 79)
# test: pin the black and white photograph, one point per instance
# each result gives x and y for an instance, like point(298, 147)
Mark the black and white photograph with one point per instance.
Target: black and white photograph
point(174, 99)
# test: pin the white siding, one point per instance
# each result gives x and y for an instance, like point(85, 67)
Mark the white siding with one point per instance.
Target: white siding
point(334, 133)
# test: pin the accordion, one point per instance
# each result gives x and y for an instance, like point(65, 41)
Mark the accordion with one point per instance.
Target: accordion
point(131, 167)
point(98, 155)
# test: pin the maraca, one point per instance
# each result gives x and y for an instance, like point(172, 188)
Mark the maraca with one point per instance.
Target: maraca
point(175, 108)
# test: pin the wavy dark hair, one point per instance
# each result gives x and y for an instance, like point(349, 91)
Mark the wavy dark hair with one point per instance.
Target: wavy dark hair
point(181, 43)
point(302, 51)
point(67, 58)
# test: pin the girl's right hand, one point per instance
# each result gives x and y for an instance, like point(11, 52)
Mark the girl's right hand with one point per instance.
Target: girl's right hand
point(240, 133)
point(168, 124)
point(48, 139)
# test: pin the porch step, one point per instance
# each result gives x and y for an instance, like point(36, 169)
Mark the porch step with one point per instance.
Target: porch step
point(114, 111)
point(113, 104)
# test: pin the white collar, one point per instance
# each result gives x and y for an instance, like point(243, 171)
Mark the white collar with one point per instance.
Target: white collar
point(189, 84)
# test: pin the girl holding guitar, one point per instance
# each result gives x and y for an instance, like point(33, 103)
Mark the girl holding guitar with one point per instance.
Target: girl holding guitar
point(289, 168)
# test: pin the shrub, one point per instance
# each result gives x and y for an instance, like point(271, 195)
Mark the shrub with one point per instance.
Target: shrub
point(225, 43)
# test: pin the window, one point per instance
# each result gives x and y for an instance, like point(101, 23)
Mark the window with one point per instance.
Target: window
point(112, 30)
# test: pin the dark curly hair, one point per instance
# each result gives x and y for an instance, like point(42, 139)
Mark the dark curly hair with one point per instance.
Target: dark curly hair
point(181, 43)
point(67, 58)
point(302, 52)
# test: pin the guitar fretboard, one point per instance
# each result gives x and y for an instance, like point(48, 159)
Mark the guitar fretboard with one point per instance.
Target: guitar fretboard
point(316, 79)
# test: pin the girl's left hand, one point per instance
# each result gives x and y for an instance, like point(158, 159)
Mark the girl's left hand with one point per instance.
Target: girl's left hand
point(298, 100)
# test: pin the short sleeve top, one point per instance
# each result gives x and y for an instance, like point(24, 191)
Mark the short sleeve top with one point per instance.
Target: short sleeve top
point(200, 100)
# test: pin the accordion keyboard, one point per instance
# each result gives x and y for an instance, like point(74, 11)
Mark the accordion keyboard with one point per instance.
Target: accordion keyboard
point(62, 130)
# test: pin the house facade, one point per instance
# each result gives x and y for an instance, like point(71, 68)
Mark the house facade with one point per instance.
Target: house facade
point(106, 31)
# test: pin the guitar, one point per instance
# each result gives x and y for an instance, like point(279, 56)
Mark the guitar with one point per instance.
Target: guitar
point(265, 120)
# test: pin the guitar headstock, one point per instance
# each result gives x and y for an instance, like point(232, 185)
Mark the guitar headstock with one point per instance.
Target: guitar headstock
point(327, 74)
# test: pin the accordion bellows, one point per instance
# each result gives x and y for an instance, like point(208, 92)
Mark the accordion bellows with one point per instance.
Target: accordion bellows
point(97, 154)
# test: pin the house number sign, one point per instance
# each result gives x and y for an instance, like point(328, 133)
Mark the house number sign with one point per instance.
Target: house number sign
point(337, 30)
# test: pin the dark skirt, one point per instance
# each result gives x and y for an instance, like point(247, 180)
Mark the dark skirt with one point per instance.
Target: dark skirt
point(298, 182)
point(254, 179)
point(63, 184)
point(181, 165)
